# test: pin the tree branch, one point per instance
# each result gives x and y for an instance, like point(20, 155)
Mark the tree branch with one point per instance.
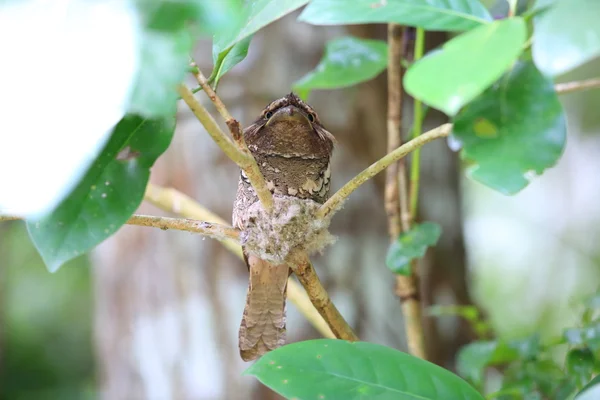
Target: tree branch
point(212, 230)
point(319, 297)
point(335, 201)
point(174, 201)
point(396, 196)
point(406, 286)
point(569, 87)
point(246, 161)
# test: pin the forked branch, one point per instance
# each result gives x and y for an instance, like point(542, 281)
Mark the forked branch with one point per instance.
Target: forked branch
point(244, 158)
point(340, 196)
point(173, 201)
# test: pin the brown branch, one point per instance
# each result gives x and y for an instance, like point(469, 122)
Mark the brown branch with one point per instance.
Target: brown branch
point(407, 288)
point(397, 170)
point(178, 203)
point(569, 87)
point(247, 161)
point(174, 201)
point(335, 201)
point(319, 297)
point(209, 123)
point(209, 229)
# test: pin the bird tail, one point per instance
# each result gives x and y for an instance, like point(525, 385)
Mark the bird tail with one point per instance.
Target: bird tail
point(263, 324)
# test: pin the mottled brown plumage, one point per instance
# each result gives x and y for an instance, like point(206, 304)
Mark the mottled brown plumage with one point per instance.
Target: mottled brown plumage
point(293, 152)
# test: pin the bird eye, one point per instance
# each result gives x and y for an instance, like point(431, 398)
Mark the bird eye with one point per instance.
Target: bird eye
point(268, 114)
point(311, 117)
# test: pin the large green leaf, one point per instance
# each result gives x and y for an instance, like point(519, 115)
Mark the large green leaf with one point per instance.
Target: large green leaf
point(410, 245)
point(514, 131)
point(256, 15)
point(347, 61)
point(466, 65)
point(336, 369)
point(566, 36)
point(108, 194)
point(440, 15)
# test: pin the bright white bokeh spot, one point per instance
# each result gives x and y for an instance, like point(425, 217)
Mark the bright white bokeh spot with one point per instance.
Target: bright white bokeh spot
point(66, 76)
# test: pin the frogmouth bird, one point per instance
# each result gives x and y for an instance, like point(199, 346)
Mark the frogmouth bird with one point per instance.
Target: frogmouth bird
point(293, 152)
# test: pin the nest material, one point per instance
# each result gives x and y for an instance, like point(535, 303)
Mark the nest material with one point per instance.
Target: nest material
point(291, 225)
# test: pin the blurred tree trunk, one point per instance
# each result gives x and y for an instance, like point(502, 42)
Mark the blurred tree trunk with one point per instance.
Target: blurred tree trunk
point(168, 304)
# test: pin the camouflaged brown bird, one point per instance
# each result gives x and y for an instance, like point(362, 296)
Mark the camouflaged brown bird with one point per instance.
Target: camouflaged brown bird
point(293, 152)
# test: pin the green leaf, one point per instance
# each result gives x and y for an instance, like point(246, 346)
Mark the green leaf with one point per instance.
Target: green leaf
point(164, 63)
point(256, 15)
point(336, 369)
point(224, 61)
point(515, 130)
point(475, 357)
point(591, 391)
point(347, 61)
point(580, 365)
point(170, 29)
point(586, 336)
point(449, 78)
point(211, 17)
point(108, 194)
point(436, 15)
point(566, 36)
point(410, 245)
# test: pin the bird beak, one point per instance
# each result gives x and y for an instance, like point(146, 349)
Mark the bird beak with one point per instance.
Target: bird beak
point(289, 114)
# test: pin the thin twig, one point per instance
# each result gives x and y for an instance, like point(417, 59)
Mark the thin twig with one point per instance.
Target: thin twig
point(174, 201)
point(178, 203)
point(247, 162)
point(338, 198)
point(209, 229)
point(320, 298)
point(394, 199)
point(417, 128)
point(209, 123)
point(406, 286)
point(569, 87)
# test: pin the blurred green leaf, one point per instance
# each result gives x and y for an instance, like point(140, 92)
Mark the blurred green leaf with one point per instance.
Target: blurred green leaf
point(224, 61)
point(440, 15)
point(108, 194)
point(515, 130)
point(475, 357)
point(587, 336)
point(591, 391)
point(170, 30)
point(211, 17)
point(580, 365)
point(410, 245)
point(216, 17)
point(337, 369)
point(469, 313)
point(164, 63)
point(449, 78)
point(594, 301)
point(566, 36)
point(550, 379)
point(347, 61)
point(256, 15)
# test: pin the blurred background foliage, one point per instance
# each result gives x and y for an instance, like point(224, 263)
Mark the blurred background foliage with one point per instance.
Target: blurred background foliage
point(532, 258)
